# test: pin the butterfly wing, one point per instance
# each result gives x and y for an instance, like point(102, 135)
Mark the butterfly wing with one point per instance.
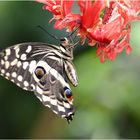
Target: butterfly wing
point(18, 62)
point(52, 88)
point(28, 65)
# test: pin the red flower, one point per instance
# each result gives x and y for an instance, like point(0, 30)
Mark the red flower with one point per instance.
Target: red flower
point(62, 13)
point(105, 23)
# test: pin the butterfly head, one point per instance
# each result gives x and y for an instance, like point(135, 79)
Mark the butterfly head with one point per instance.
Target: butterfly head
point(69, 40)
point(65, 42)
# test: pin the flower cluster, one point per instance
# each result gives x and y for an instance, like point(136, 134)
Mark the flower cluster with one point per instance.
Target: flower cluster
point(104, 23)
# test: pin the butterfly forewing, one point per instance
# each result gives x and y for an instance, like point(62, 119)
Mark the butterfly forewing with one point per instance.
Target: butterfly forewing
point(39, 67)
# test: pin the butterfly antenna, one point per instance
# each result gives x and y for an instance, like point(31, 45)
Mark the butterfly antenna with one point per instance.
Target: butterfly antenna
point(73, 32)
point(53, 36)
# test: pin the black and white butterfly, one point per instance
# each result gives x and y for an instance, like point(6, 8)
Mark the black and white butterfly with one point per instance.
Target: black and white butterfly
point(45, 69)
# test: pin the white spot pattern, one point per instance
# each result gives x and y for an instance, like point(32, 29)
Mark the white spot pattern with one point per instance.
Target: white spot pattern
point(45, 98)
point(66, 105)
point(8, 51)
point(20, 78)
point(25, 65)
point(18, 84)
point(14, 62)
point(3, 71)
point(23, 56)
point(14, 74)
point(2, 62)
point(17, 51)
point(61, 108)
point(19, 63)
point(29, 49)
point(8, 74)
point(53, 102)
point(12, 80)
point(6, 58)
point(7, 64)
point(32, 66)
point(26, 84)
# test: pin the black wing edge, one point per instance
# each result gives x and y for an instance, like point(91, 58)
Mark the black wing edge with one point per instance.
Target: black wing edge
point(69, 118)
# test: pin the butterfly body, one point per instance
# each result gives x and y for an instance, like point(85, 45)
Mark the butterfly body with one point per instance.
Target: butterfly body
point(44, 69)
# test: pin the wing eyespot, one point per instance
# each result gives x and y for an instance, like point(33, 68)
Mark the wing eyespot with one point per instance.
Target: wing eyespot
point(40, 72)
point(68, 94)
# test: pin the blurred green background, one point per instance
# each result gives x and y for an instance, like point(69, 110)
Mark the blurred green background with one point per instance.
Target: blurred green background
point(107, 97)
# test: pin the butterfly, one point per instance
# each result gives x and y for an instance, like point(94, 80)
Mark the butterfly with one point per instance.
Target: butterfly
point(45, 69)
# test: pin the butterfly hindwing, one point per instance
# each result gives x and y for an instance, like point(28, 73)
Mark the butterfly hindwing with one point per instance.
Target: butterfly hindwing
point(51, 87)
